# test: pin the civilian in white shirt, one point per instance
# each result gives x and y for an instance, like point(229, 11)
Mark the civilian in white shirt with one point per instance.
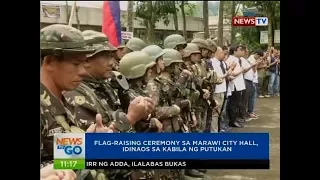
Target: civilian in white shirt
point(248, 79)
point(256, 56)
point(235, 108)
point(220, 89)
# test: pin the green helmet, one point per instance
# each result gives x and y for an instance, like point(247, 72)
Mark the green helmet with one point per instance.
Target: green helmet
point(212, 45)
point(97, 41)
point(154, 51)
point(201, 43)
point(59, 39)
point(134, 65)
point(191, 48)
point(122, 44)
point(171, 56)
point(136, 44)
point(173, 40)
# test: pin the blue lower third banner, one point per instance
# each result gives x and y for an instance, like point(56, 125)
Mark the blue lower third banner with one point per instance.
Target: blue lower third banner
point(175, 150)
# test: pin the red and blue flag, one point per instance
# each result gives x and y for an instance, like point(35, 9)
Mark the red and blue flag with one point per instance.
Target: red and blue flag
point(111, 25)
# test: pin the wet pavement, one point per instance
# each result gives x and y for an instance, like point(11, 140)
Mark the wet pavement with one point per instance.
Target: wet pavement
point(269, 111)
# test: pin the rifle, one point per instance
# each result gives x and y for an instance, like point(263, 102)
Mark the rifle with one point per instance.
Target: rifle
point(188, 114)
point(168, 99)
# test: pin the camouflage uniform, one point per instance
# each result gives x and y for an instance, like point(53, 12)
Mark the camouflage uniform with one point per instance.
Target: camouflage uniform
point(134, 66)
point(95, 96)
point(178, 42)
point(117, 59)
point(135, 44)
point(56, 116)
point(209, 76)
point(200, 73)
point(174, 85)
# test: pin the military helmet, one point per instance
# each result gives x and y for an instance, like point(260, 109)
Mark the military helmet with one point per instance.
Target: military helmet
point(122, 44)
point(191, 48)
point(134, 65)
point(97, 41)
point(136, 44)
point(212, 45)
point(59, 39)
point(171, 56)
point(154, 51)
point(173, 40)
point(201, 43)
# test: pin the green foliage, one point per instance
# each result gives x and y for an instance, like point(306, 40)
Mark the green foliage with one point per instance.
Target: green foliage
point(197, 9)
point(251, 36)
point(189, 9)
point(160, 11)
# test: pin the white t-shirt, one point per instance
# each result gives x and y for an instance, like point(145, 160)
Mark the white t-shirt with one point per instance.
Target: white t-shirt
point(237, 82)
point(251, 59)
point(249, 74)
point(220, 88)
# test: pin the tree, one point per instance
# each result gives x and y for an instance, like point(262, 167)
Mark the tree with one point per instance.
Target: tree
point(206, 19)
point(130, 17)
point(271, 9)
point(220, 24)
point(175, 20)
point(233, 12)
point(67, 12)
point(183, 19)
point(186, 8)
point(77, 17)
point(151, 12)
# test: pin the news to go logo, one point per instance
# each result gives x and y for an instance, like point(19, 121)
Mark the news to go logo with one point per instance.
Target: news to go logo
point(249, 21)
point(69, 145)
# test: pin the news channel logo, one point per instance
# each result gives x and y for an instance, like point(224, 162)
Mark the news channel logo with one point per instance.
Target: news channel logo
point(69, 145)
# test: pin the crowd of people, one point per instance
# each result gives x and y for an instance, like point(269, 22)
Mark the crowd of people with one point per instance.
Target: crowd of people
point(89, 85)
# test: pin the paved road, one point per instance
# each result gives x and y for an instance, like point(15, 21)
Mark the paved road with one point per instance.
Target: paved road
point(269, 112)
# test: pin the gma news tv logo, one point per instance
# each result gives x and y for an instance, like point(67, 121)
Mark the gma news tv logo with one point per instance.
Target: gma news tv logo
point(249, 21)
point(69, 145)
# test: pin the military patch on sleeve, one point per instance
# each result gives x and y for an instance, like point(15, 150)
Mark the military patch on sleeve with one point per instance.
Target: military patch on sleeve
point(79, 100)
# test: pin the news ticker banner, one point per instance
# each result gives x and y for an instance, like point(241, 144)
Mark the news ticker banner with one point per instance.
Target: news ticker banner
point(161, 150)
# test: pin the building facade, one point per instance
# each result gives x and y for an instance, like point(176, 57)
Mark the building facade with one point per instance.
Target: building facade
point(91, 18)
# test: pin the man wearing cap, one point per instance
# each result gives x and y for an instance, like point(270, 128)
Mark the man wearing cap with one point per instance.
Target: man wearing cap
point(63, 52)
point(95, 95)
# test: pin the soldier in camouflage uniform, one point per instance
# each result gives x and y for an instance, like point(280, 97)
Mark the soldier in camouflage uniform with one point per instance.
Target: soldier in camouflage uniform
point(175, 41)
point(94, 95)
point(197, 68)
point(122, 50)
point(198, 95)
point(178, 42)
point(136, 67)
point(63, 52)
point(135, 44)
point(212, 47)
point(174, 82)
point(205, 71)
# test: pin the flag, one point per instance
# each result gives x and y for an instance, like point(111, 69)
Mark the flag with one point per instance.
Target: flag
point(111, 25)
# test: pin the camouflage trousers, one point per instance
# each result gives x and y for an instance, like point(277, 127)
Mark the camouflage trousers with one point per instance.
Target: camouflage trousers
point(202, 119)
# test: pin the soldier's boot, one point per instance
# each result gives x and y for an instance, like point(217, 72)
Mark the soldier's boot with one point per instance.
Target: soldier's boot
point(202, 170)
point(193, 173)
point(236, 124)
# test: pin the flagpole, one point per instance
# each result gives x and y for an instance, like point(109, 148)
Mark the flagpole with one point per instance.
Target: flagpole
point(72, 12)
